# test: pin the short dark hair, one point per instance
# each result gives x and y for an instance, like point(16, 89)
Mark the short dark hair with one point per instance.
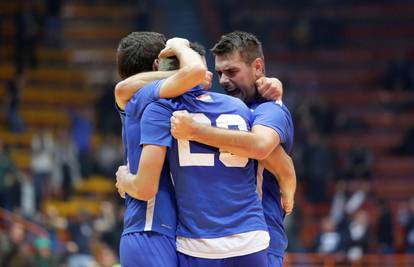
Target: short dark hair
point(246, 43)
point(172, 63)
point(137, 51)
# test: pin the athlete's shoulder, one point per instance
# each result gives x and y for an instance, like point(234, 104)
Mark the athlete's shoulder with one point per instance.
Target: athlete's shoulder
point(151, 89)
point(274, 106)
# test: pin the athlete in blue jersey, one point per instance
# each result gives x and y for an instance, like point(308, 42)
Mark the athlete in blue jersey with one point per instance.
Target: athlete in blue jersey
point(240, 64)
point(148, 238)
point(221, 221)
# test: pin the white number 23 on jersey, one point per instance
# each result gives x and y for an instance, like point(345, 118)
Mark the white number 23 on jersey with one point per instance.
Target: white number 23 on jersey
point(187, 158)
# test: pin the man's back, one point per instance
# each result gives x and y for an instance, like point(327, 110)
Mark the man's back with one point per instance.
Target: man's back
point(215, 191)
point(157, 214)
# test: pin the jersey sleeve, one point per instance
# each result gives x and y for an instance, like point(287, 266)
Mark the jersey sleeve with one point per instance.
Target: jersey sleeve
point(155, 125)
point(144, 96)
point(271, 114)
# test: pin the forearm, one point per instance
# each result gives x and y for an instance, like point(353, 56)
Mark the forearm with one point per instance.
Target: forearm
point(192, 72)
point(188, 57)
point(287, 185)
point(125, 89)
point(240, 143)
point(282, 167)
point(257, 144)
point(131, 186)
point(144, 185)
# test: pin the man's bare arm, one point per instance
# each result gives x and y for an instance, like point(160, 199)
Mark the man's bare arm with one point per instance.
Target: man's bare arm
point(281, 166)
point(125, 89)
point(192, 70)
point(257, 144)
point(191, 73)
point(143, 185)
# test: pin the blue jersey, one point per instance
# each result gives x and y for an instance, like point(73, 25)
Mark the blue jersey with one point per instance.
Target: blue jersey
point(276, 116)
point(124, 140)
point(158, 214)
point(215, 191)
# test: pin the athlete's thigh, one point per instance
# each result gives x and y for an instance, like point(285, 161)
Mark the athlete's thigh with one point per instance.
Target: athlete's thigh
point(274, 261)
point(258, 259)
point(147, 249)
point(189, 261)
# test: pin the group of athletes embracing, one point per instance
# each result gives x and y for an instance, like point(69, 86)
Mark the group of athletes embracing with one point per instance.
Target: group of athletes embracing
point(207, 179)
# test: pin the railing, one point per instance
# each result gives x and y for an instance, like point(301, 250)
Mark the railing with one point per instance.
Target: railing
point(334, 260)
point(33, 228)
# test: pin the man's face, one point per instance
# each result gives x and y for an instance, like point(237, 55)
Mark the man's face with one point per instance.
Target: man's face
point(236, 76)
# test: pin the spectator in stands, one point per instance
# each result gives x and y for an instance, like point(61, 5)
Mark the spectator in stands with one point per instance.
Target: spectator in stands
point(323, 115)
point(399, 74)
point(82, 135)
point(408, 224)
point(53, 33)
point(28, 21)
point(359, 236)
point(350, 123)
point(42, 164)
point(301, 36)
point(406, 148)
point(109, 155)
point(359, 162)
point(105, 256)
point(105, 224)
point(14, 91)
point(385, 233)
point(108, 120)
point(7, 170)
point(319, 167)
point(66, 164)
point(14, 250)
point(12, 191)
point(43, 254)
point(329, 240)
point(293, 226)
point(28, 195)
point(348, 198)
point(81, 231)
point(53, 23)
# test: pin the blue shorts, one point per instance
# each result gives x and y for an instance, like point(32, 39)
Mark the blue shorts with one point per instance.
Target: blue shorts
point(147, 249)
point(274, 261)
point(258, 259)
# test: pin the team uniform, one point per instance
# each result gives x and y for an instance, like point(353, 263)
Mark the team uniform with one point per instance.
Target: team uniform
point(275, 115)
point(220, 216)
point(148, 238)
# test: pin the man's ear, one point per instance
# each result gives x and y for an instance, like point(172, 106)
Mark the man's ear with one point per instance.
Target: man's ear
point(259, 67)
point(155, 64)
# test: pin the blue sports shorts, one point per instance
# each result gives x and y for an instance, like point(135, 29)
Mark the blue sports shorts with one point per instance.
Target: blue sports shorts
point(147, 249)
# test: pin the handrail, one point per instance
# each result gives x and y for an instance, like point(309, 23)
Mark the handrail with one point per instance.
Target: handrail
point(30, 226)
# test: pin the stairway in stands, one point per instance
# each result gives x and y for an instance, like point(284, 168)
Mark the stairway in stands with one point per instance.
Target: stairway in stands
point(67, 78)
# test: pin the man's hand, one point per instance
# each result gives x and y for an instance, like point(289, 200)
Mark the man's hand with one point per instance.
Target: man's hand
point(183, 125)
point(287, 201)
point(172, 45)
point(121, 177)
point(270, 88)
point(207, 80)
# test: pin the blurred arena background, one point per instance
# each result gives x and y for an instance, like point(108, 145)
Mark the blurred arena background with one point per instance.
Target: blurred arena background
point(348, 74)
